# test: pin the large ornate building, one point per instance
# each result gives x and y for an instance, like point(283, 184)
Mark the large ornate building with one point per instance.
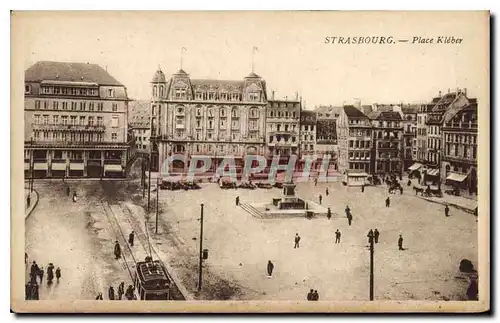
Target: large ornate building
point(75, 121)
point(206, 117)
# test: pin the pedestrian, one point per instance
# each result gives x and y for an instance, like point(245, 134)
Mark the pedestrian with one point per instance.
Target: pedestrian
point(34, 269)
point(74, 196)
point(370, 237)
point(28, 200)
point(347, 211)
point(337, 236)
point(270, 268)
point(400, 242)
point(363, 188)
point(58, 273)
point(320, 198)
point(310, 295)
point(121, 290)
point(68, 191)
point(237, 200)
point(375, 235)
point(401, 189)
point(316, 181)
point(27, 291)
point(40, 274)
point(99, 297)
point(35, 292)
point(129, 294)
point(329, 214)
point(446, 210)
point(111, 293)
point(315, 295)
point(297, 240)
point(326, 191)
point(387, 202)
point(50, 273)
point(131, 238)
point(349, 219)
point(118, 250)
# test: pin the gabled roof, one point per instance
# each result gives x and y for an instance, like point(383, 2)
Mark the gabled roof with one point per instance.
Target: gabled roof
point(69, 72)
point(384, 115)
point(353, 112)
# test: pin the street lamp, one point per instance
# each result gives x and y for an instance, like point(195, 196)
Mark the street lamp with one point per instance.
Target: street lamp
point(370, 240)
point(201, 250)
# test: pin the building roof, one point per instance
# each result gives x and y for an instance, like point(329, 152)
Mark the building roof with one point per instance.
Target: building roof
point(353, 112)
point(253, 75)
point(410, 108)
point(216, 84)
point(69, 72)
point(159, 77)
point(384, 115)
point(139, 114)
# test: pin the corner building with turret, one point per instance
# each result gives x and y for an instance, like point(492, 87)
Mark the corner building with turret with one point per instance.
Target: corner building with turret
point(206, 117)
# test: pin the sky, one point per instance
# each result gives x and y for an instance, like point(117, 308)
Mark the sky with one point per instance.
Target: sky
point(292, 55)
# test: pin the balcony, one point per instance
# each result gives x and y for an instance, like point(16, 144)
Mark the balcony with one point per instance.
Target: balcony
point(460, 126)
point(459, 159)
point(74, 127)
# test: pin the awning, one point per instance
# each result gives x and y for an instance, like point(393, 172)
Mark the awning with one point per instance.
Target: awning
point(76, 166)
point(40, 166)
point(113, 168)
point(415, 166)
point(456, 177)
point(433, 172)
point(357, 174)
point(58, 166)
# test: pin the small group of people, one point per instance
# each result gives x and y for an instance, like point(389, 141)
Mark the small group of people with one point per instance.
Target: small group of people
point(313, 295)
point(129, 293)
point(373, 236)
point(36, 274)
point(118, 248)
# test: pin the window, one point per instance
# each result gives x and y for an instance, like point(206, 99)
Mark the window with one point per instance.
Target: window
point(55, 119)
point(198, 112)
point(82, 106)
point(111, 93)
point(27, 89)
point(153, 110)
point(198, 123)
point(91, 121)
point(115, 107)
point(73, 106)
point(223, 96)
point(209, 135)
point(64, 120)
point(199, 95)
point(45, 119)
point(254, 96)
point(114, 121)
point(55, 105)
point(234, 124)
point(73, 120)
point(99, 121)
point(45, 105)
point(222, 123)
point(45, 135)
point(37, 119)
point(223, 112)
point(114, 136)
point(100, 106)
point(211, 95)
point(37, 104)
point(82, 120)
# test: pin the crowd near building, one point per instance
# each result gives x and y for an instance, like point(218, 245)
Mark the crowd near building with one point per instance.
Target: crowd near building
point(79, 122)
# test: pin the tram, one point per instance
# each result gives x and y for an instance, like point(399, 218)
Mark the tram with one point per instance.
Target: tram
point(151, 280)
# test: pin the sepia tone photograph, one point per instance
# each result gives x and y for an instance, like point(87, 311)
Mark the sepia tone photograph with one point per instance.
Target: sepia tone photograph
point(273, 161)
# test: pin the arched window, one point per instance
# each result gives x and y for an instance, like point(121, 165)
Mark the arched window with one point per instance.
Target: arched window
point(254, 112)
point(222, 112)
point(235, 113)
point(155, 90)
point(161, 90)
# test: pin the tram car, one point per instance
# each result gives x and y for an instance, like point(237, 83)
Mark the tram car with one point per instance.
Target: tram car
point(151, 281)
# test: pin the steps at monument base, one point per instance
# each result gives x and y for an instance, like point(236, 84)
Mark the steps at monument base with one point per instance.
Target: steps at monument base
point(250, 209)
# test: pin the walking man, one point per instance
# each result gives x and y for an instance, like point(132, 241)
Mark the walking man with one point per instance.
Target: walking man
point(315, 296)
point(28, 201)
point(337, 236)
point(74, 197)
point(349, 218)
point(58, 273)
point(121, 290)
point(118, 250)
point(310, 295)
point(40, 274)
point(34, 269)
point(370, 237)
point(400, 242)
point(326, 191)
point(387, 202)
point(320, 198)
point(237, 200)
point(270, 268)
point(446, 210)
point(111, 293)
point(363, 188)
point(347, 211)
point(329, 214)
point(375, 235)
point(131, 238)
point(68, 191)
point(297, 240)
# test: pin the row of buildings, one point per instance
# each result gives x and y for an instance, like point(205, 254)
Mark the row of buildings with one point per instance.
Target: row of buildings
point(79, 121)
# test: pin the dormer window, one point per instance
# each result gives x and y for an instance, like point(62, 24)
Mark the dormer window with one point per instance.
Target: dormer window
point(211, 96)
point(111, 93)
point(223, 96)
point(199, 95)
point(27, 89)
point(254, 96)
point(180, 93)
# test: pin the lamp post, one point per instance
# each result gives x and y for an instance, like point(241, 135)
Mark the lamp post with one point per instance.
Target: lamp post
point(157, 202)
point(201, 251)
point(370, 240)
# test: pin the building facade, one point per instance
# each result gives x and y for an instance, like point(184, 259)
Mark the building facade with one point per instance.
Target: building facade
point(283, 127)
point(139, 124)
point(354, 141)
point(409, 122)
point(326, 134)
point(205, 117)
point(387, 141)
point(307, 132)
point(459, 136)
point(75, 121)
